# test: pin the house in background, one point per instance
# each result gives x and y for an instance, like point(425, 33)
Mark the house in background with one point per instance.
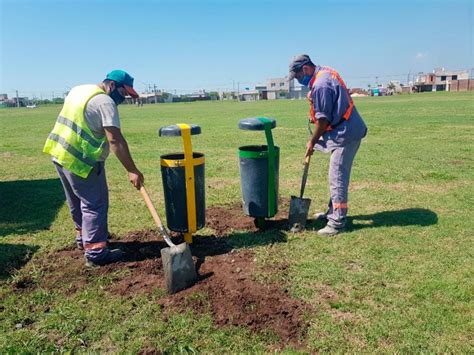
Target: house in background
point(278, 88)
point(262, 91)
point(281, 88)
point(228, 95)
point(439, 80)
point(6, 102)
point(298, 92)
point(249, 95)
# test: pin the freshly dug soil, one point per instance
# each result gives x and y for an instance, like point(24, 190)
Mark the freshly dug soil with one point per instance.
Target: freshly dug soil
point(226, 288)
point(234, 298)
point(226, 219)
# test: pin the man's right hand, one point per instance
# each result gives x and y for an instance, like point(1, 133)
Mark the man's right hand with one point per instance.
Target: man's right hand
point(309, 148)
point(136, 178)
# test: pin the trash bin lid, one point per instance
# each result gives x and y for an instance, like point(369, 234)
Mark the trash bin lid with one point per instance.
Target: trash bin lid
point(175, 131)
point(255, 123)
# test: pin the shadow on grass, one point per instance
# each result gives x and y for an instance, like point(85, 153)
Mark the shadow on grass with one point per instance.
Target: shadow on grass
point(406, 217)
point(212, 245)
point(208, 246)
point(13, 257)
point(29, 205)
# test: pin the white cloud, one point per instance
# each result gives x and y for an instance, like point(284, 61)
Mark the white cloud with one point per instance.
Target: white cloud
point(421, 55)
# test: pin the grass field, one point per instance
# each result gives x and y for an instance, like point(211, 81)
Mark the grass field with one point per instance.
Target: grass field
point(400, 280)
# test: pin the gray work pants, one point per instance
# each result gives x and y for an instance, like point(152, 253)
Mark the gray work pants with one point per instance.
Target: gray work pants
point(88, 201)
point(340, 166)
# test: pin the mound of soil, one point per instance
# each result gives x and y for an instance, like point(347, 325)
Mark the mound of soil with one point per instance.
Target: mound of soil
point(225, 277)
point(236, 299)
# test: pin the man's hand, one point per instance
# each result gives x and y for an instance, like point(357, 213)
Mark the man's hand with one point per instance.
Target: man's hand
point(321, 125)
point(309, 148)
point(136, 178)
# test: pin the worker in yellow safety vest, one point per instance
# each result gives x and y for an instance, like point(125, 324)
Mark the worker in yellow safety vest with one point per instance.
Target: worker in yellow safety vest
point(87, 128)
point(338, 130)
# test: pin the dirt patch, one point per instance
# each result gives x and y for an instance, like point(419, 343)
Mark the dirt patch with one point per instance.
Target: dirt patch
point(225, 288)
point(234, 298)
point(227, 219)
point(140, 272)
point(456, 162)
point(24, 283)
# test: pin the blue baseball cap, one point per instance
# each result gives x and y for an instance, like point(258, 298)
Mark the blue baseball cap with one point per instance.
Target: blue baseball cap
point(124, 79)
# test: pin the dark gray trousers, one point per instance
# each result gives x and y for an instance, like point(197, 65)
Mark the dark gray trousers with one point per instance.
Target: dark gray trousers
point(340, 166)
point(88, 201)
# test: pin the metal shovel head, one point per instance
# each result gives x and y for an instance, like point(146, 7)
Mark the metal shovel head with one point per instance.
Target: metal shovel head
point(299, 208)
point(178, 266)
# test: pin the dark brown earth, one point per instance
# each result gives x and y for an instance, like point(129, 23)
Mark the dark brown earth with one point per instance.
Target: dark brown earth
point(231, 294)
point(226, 219)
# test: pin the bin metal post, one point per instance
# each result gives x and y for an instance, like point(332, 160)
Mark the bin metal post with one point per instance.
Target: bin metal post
point(271, 165)
point(175, 184)
point(259, 178)
point(189, 176)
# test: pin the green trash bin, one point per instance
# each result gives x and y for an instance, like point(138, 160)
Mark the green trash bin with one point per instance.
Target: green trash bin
point(259, 167)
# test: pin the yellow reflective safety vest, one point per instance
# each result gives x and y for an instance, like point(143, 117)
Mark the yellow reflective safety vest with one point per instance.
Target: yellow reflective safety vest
point(71, 142)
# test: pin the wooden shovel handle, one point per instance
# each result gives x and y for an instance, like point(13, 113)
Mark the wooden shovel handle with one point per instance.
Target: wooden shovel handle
point(155, 216)
point(305, 174)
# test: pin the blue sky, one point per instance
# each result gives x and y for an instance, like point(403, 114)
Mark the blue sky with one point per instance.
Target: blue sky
point(49, 46)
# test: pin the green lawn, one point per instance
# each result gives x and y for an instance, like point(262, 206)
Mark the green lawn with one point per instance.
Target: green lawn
point(400, 280)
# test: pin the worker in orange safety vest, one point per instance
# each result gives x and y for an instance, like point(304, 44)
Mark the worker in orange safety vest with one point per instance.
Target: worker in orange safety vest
point(339, 130)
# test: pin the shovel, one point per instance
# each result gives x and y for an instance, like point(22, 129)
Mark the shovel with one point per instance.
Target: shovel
point(178, 265)
point(299, 206)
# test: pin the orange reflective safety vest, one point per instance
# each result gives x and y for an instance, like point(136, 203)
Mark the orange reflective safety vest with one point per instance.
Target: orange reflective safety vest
point(334, 75)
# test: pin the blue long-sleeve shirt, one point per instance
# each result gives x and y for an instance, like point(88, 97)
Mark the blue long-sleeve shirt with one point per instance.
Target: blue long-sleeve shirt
point(330, 100)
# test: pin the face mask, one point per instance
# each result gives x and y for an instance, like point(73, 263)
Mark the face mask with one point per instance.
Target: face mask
point(115, 95)
point(305, 80)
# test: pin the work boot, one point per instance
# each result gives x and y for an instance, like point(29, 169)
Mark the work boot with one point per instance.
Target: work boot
point(112, 256)
point(80, 244)
point(329, 231)
point(320, 216)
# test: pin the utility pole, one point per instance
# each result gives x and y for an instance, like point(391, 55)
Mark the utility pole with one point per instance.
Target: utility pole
point(408, 82)
point(154, 90)
point(17, 99)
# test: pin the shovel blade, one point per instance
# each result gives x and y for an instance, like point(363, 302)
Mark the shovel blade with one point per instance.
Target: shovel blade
point(299, 208)
point(178, 267)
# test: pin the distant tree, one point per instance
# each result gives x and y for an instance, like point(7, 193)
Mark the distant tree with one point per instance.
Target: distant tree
point(58, 100)
point(391, 88)
point(214, 95)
